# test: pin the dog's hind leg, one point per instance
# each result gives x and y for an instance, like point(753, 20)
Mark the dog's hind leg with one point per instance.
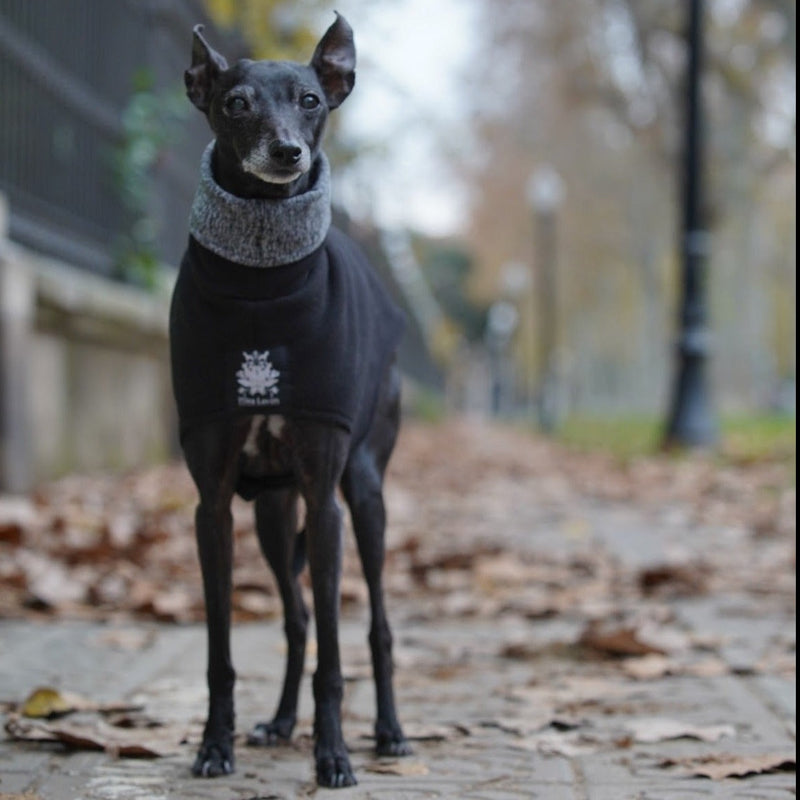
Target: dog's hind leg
point(362, 485)
point(276, 523)
point(211, 454)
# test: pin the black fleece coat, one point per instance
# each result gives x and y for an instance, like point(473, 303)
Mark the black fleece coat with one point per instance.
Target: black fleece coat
point(311, 339)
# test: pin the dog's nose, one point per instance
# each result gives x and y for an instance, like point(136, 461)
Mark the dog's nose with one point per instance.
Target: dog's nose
point(285, 153)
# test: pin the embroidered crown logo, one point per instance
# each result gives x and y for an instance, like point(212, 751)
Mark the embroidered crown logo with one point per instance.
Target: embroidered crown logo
point(257, 379)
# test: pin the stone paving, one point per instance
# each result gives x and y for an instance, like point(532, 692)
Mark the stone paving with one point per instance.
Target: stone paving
point(471, 710)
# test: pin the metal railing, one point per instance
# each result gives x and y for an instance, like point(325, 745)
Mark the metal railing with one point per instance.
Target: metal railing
point(66, 76)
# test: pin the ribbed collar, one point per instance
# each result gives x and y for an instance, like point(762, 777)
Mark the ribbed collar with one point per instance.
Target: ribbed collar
point(261, 233)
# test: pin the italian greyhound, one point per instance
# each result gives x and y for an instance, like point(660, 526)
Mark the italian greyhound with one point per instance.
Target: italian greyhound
point(310, 407)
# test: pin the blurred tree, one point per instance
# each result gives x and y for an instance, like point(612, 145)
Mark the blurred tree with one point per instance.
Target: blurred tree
point(591, 86)
point(274, 29)
point(448, 268)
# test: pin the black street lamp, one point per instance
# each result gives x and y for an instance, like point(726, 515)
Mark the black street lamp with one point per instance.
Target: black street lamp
point(691, 421)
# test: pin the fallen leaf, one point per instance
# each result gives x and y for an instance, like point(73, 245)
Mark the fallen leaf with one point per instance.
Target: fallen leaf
point(16, 515)
point(173, 605)
point(50, 584)
point(255, 605)
point(521, 650)
point(405, 769)
point(653, 666)
point(96, 736)
point(135, 719)
point(649, 667)
point(493, 572)
point(429, 732)
point(46, 702)
point(725, 765)
point(674, 580)
point(622, 641)
point(49, 703)
point(708, 668)
point(659, 729)
point(353, 591)
point(517, 726)
point(557, 743)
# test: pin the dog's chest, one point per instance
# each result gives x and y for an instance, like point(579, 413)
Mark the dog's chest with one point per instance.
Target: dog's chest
point(266, 449)
point(308, 340)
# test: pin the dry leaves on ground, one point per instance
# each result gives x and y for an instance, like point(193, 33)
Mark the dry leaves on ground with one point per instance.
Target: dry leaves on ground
point(95, 734)
point(118, 728)
point(467, 503)
point(46, 702)
point(725, 765)
point(649, 730)
point(403, 769)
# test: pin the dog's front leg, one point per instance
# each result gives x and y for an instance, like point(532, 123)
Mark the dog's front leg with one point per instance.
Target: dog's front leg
point(211, 457)
point(323, 455)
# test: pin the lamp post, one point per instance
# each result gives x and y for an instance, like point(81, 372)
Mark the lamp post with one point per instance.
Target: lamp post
point(691, 421)
point(545, 193)
point(501, 324)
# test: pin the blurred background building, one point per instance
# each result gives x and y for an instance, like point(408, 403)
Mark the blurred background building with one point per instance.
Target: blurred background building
point(525, 301)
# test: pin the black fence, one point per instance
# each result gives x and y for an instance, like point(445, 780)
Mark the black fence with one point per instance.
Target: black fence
point(67, 71)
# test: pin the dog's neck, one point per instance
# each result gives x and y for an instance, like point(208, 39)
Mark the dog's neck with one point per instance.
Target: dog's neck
point(260, 232)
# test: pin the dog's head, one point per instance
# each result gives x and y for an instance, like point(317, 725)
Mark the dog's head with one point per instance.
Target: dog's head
point(272, 114)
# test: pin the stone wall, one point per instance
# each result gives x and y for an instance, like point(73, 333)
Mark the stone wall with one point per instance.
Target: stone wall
point(84, 372)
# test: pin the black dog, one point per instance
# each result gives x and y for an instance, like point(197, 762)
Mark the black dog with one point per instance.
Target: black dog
point(283, 367)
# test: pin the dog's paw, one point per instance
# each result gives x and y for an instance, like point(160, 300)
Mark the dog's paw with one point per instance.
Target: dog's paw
point(334, 771)
point(390, 741)
point(213, 760)
point(270, 734)
point(395, 748)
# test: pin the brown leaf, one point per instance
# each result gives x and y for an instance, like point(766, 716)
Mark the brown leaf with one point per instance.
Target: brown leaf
point(96, 736)
point(708, 668)
point(429, 732)
point(520, 650)
point(649, 667)
point(353, 591)
point(255, 605)
point(173, 605)
point(724, 765)
point(559, 743)
point(622, 641)
point(17, 514)
point(405, 769)
point(49, 582)
point(501, 571)
point(123, 528)
point(674, 580)
point(657, 729)
point(134, 718)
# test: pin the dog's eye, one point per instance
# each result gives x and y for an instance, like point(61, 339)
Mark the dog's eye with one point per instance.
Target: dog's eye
point(236, 104)
point(309, 101)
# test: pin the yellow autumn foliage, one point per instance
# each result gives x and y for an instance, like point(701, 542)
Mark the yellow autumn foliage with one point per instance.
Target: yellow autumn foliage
point(273, 29)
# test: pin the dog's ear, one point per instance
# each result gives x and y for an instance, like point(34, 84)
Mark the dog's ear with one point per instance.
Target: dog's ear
point(207, 64)
point(334, 61)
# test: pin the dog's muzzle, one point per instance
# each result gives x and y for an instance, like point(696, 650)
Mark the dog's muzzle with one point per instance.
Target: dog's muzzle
point(277, 161)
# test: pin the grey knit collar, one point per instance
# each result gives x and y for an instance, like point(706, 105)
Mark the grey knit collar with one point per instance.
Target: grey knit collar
point(261, 233)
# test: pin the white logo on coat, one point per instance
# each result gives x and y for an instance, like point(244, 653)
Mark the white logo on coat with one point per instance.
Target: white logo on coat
point(258, 380)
